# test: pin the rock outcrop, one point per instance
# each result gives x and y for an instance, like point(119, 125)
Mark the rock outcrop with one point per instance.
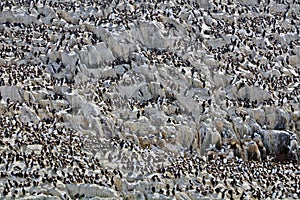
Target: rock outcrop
point(147, 99)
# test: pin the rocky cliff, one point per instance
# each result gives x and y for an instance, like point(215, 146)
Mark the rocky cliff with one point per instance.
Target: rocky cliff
point(95, 92)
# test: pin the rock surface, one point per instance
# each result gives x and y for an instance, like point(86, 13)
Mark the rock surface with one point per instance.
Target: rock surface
point(149, 100)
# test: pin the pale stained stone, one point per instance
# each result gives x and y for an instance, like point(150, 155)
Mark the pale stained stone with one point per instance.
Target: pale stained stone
point(54, 55)
point(69, 58)
point(273, 72)
point(38, 96)
point(258, 115)
point(122, 44)
point(258, 142)
point(136, 195)
point(94, 56)
point(28, 115)
point(219, 125)
point(210, 137)
point(155, 90)
point(276, 118)
point(87, 108)
point(240, 128)
point(196, 146)
point(167, 131)
point(277, 8)
point(188, 105)
point(150, 34)
point(14, 93)
point(175, 148)
point(276, 142)
point(2, 62)
point(61, 89)
point(297, 125)
point(131, 137)
point(39, 197)
point(193, 129)
point(142, 93)
point(57, 193)
point(157, 119)
point(3, 107)
point(37, 148)
point(140, 128)
point(253, 93)
point(294, 60)
point(210, 62)
point(96, 125)
point(28, 96)
point(251, 151)
point(68, 17)
point(98, 155)
point(216, 43)
point(78, 121)
point(161, 143)
point(185, 136)
point(182, 196)
point(91, 190)
point(118, 183)
point(9, 16)
point(248, 3)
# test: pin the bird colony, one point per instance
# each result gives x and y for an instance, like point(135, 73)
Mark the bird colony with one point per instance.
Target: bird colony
point(152, 99)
